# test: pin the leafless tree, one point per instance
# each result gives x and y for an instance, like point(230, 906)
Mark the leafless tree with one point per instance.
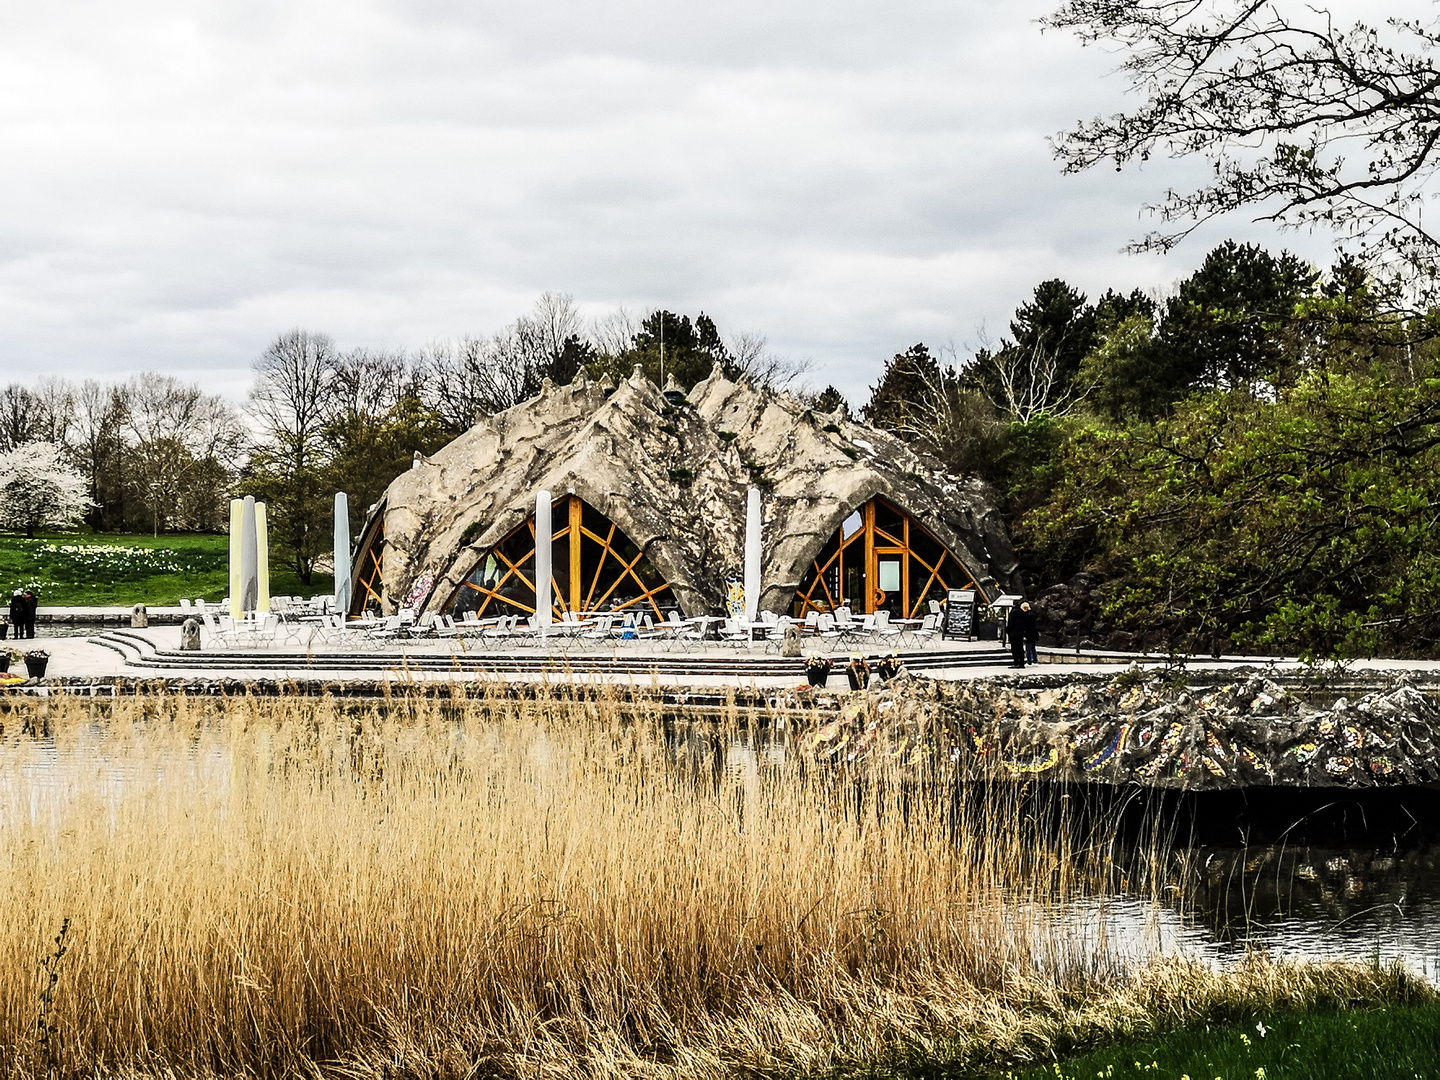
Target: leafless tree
point(613, 334)
point(465, 378)
point(292, 395)
point(369, 382)
point(752, 360)
point(488, 375)
point(1307, 123)
point(185, 452)
point(1024, 381)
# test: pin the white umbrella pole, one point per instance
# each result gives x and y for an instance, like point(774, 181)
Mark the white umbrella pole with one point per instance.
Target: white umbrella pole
point(342, 553)
point(237, 516)
point(262, 560)
point(544, 533)
point(752, 554)
point(249, 586)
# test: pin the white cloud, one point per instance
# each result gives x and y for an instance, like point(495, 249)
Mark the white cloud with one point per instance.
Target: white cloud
point(184, 180)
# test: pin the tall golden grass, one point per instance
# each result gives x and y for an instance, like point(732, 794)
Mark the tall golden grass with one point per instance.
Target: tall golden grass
point(542, 887)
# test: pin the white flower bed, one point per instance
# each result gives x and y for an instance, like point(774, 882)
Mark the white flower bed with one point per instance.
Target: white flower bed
point(111, 560)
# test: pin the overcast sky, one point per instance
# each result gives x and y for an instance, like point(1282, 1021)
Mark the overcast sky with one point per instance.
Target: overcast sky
point(183, 180)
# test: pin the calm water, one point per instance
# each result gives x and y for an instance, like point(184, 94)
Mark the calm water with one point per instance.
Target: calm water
point(1330, 879)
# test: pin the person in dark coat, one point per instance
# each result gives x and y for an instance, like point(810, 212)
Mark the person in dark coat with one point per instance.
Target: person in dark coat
point(1032, 632)
point(1015, 632)
point(18, 613)
point(32, 608)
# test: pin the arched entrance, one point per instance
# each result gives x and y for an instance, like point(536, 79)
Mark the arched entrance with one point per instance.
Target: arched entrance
point(369, 582)
point(880, 559)
point(594, 567)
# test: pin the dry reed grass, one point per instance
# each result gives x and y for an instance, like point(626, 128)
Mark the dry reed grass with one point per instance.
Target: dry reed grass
point(548, 887)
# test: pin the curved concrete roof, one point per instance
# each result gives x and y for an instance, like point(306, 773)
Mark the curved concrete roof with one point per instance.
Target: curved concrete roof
point(674, 478)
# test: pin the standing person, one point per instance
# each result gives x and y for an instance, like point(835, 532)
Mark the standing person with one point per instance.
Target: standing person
point(18, 612)
point(1032, 632)
point(32, 608)
point(1015, 632)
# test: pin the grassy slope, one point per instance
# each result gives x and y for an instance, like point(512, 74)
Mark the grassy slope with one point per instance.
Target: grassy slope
point(136, 569)
point(1395, 1043)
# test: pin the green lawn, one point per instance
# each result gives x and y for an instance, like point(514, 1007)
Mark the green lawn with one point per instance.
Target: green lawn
point(106, 569)
point(1394, 1043)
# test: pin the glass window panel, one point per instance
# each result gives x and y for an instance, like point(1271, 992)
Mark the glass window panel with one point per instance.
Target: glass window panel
point(560, 571)
point(889, 575)
point(501, 582)
point(909, 568)
point(889, 520)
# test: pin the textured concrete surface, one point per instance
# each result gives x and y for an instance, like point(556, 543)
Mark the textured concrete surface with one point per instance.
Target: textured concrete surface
point(673, 477)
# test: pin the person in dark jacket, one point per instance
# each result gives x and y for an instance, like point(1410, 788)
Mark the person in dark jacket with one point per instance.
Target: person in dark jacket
point(32, 608)
point(1032, 632)
point(1015, 632)
point(18, 613)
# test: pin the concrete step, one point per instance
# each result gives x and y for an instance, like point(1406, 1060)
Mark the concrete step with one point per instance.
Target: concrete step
point(140, 652)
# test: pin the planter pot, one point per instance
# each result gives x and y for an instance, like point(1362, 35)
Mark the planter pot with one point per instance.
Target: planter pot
point(887, 669)
point(859, 680)
point(36, 668)
point(817, 678)
point(4, 662)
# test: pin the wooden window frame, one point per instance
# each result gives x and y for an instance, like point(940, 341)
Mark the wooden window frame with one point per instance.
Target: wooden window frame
point(570, 509)
point(871, 543)
point(371, 578)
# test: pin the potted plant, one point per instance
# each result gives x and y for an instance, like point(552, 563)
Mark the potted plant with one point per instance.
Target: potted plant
point(889, 666)
point(8, 657)
point(858, 672)
point(817, 669)
point(35, 662)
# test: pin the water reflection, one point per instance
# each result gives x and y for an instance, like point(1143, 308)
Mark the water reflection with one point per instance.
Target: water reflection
point(1317, 874)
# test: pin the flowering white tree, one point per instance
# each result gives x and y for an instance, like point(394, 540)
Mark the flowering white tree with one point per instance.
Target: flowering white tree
point(38, 489)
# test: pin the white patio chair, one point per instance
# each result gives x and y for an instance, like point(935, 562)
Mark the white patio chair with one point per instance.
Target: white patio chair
point(926, 631)
point(265, 628)
point(501, 630)
point(883, 630)
point(599, 632)
point(385, 630)
point(775, 627)
point(216, 635)
point(674, 632)
point(733, 634)
point(425, 627)
point(850, 628)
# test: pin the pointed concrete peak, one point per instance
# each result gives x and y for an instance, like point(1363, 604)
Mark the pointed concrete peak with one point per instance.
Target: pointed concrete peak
point(672, 387)
point(581, 381)
point(638, 373)
point(547, 384)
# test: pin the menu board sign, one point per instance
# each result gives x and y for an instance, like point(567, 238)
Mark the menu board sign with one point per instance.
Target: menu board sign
point(959, 613)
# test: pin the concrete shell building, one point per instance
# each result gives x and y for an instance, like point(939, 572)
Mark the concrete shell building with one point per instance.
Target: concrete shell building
point(649, 491)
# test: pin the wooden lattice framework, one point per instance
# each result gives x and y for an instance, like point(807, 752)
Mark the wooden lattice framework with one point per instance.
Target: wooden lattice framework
point(594, 567)
point(848, 570)
point(370, 578)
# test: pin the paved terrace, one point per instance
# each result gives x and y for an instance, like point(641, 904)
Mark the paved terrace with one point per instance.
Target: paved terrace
point(112, 650)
